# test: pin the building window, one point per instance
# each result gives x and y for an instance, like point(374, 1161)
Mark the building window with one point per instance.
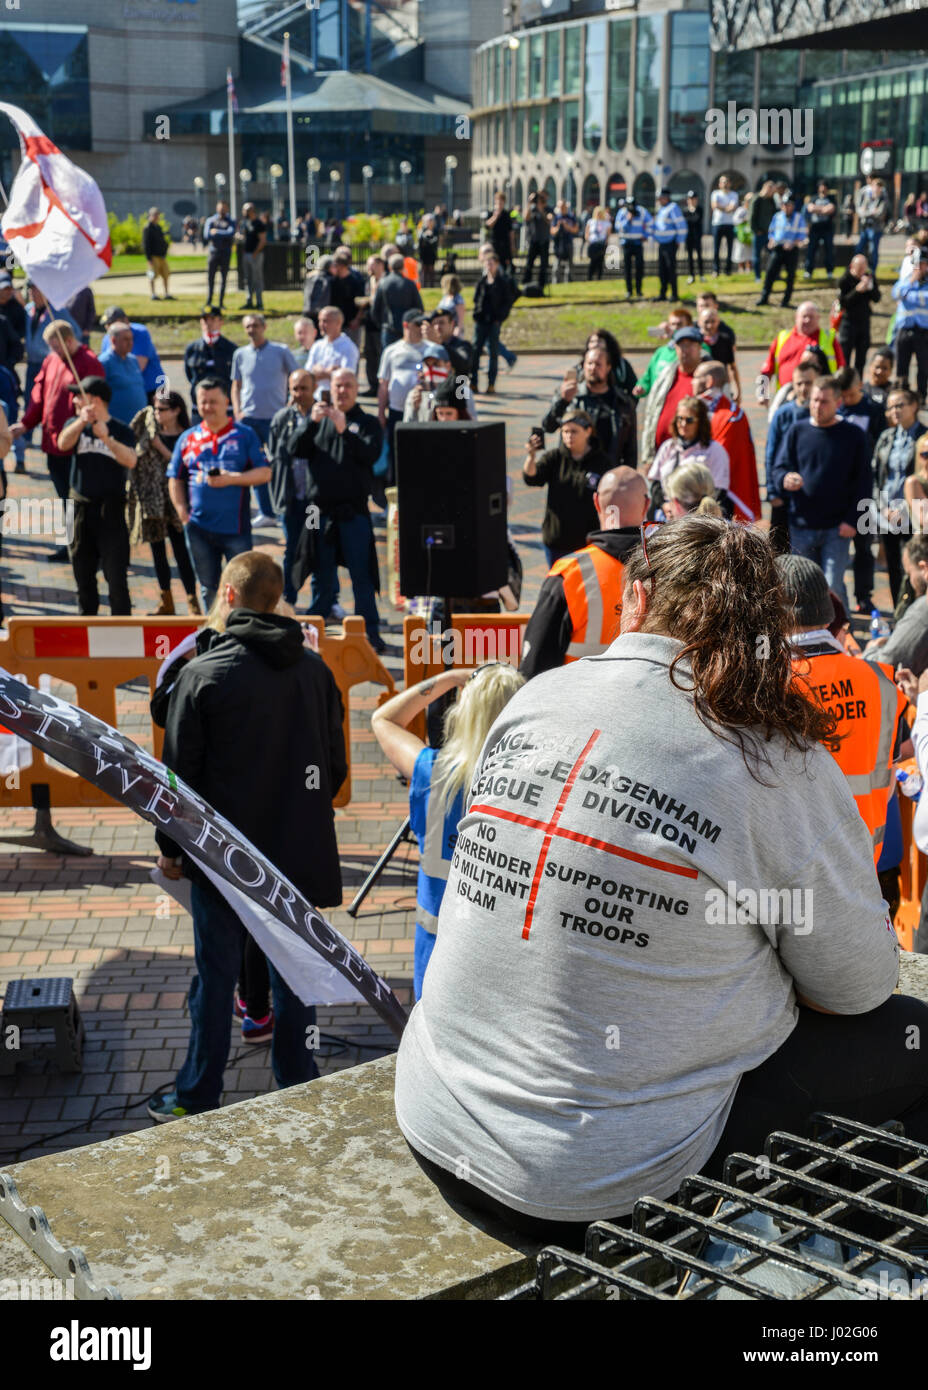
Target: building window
point(553, 66)
point(508, 60)
point(522, 70)
point(534, 129)
point(551, 115)
point(620, 59)
point(571, 124)
point(505, 133)
point(551, 190)
point(780, 82)
point(643, 191)
point(537, 66)
point(572, 61)
point(689, 80)
point(517, 196)
point(519, 126)
point(45, 70)
point(648, 58)
point(734, 81)
point(491, 77)
point(594, 87)
point(590, 196)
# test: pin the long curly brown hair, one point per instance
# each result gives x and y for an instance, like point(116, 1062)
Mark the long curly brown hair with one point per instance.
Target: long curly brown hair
point(717, 590)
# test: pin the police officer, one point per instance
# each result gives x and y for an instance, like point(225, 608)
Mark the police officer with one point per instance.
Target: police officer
point(669, 231)
point(788, 231)
point(912, 296)
point(210, 355)
point(218, 237)
point(633, 224)
point(580, 603)
point(861, 694)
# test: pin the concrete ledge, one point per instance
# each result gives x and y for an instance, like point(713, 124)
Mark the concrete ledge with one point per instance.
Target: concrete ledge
point(305, 1193)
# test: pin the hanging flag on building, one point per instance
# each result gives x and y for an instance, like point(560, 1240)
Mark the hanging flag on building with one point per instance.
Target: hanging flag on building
point(230, 90)
point(317, 962)
point(285, 62)
point(55, 221)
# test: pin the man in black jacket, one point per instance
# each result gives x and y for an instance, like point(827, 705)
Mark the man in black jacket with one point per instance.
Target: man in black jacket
point(341, 444)
point(393, 297)
point(493, 299)
point(247, 720)
point(209, 355)
point(580, 603)
point(610, 409)
point(155, 251)
point(289, 484)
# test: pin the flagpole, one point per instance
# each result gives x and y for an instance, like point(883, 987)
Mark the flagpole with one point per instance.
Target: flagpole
point(233, 182)
point(291, 175)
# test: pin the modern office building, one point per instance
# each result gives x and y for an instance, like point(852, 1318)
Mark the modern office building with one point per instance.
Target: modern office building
point(592, 98)
point(136, 92)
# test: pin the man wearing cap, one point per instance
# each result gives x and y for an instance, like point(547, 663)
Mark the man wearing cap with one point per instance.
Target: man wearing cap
point(862, 695)
point(209, 355)
point(123, 373)
point(912, 296)
point(674, 382)
point(669, 231)
point(143, 350)
point(633, 224)
point(51, 404)
point(218, 238)
point(331, 350)
point(579, 605)
point(103, 453)
point(788, 231)
point(402, 366)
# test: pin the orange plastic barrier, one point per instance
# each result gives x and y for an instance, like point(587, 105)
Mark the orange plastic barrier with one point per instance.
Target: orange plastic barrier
point(96, 655)
point(474, 638)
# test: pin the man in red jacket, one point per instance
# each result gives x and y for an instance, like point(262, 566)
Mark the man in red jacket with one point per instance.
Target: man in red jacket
point(731, 429)
point(52, 404)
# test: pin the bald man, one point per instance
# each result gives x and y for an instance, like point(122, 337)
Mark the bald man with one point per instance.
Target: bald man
point(288, 484)
point(580, 603)
point(788, 346)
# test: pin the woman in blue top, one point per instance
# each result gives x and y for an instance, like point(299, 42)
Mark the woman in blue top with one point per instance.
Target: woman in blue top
point(439, 778)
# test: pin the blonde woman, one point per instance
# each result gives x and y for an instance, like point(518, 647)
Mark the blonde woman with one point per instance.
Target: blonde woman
point(439, 779)
point(596, 236)
point(690, 488)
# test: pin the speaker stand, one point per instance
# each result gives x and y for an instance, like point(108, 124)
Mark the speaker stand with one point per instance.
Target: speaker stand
point(401, 836)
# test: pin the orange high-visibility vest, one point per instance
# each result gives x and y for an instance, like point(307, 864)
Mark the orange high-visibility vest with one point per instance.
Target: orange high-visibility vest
point(593, 583)
point(866, 704)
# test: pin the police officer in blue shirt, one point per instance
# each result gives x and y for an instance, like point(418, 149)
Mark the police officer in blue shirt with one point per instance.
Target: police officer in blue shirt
point(669, 231)
point(788, 231)
point(912, 339)
point(633, 224)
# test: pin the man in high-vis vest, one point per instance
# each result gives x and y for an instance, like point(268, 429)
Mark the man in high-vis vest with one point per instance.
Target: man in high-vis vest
point(862, 695)
point(789, 345)
point(580, 603)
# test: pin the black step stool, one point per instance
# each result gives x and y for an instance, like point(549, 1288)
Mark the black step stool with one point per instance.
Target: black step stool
point(42, 1004)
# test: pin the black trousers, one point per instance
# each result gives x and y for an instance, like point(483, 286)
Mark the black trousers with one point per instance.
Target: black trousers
point(892, 545)
point(594, 270)
point(254, 981)
point(864, 570)
point(778, 535)
point(855, 343)
point(372, 350)
point(633, 257)
point(667, 269)
point(913, 342)
point(159, 553)
point(537, 250)
point(216, 266)
point(59, 470)
point(694, 253)
point(784, 258)
point(101, 541)
point(855, 1065)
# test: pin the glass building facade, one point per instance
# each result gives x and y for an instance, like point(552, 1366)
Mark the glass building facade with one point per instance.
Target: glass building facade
point(44, 69)
point(619, 101)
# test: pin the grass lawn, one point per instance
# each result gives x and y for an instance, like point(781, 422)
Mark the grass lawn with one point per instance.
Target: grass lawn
point(559, 322)
point(137, 265)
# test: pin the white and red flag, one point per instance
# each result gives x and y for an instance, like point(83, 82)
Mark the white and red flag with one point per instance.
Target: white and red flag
point(285, 62)
point(55, 222)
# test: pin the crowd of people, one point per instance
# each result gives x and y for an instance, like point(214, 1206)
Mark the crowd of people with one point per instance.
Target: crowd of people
point(717, 632)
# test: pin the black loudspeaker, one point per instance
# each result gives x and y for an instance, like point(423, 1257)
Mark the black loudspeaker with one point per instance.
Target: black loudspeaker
point(451, 483)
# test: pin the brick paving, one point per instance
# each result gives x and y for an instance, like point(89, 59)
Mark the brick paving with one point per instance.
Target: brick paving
point(98, 919)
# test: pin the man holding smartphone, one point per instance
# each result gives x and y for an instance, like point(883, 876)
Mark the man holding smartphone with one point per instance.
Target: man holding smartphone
point(213, 466)
point(610, 408)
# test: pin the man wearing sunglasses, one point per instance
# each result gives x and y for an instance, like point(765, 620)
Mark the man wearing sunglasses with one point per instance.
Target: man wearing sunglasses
point(580, 604)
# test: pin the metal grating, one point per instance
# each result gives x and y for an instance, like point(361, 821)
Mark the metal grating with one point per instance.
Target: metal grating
point(842, 1215)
